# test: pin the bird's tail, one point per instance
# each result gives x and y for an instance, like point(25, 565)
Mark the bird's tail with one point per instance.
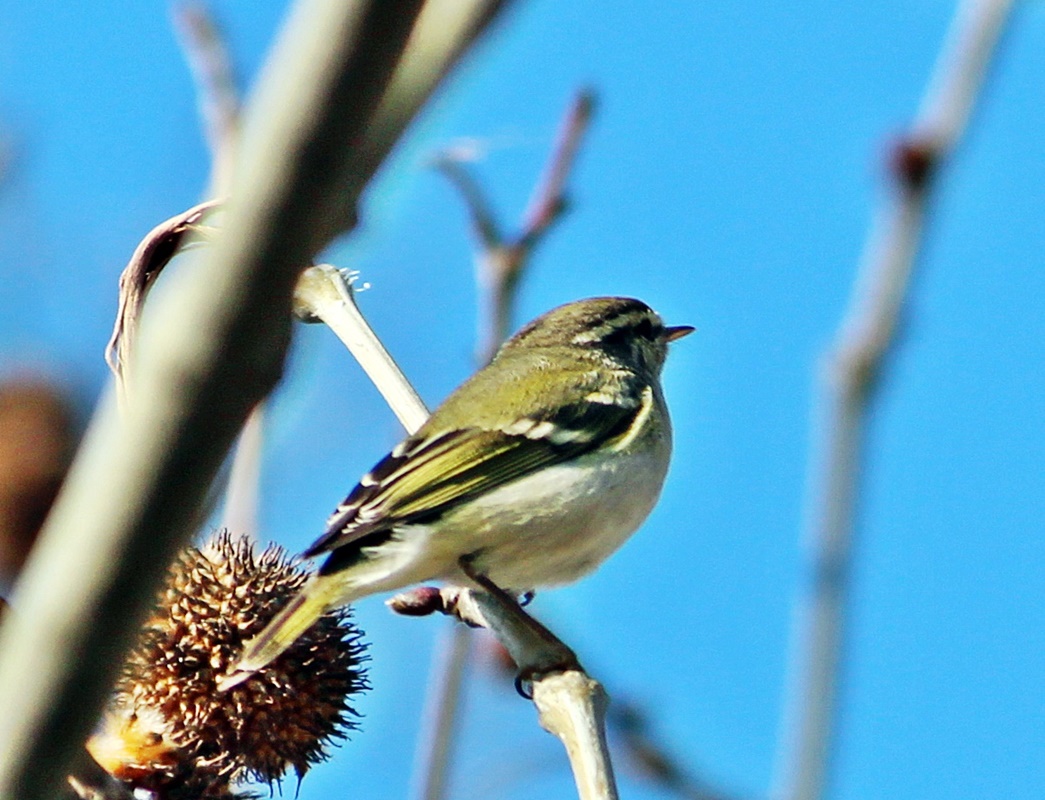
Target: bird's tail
point(286, 627)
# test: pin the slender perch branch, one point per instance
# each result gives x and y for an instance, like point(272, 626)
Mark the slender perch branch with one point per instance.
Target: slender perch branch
point(569, 703)
point(325, 293)
point(133, 495)
point(850, 378)
point(572, 706)
point(500, 263)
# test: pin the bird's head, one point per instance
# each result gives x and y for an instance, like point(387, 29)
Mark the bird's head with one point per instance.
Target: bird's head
point(624, 329)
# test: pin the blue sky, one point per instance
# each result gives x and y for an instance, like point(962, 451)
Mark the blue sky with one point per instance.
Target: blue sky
point(728, 180)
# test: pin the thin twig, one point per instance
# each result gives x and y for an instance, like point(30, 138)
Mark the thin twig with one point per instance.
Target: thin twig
point(325, 293)
point(632, 735)
point(501, 258)
point(651, 759)
point(549, 198)
point(485, 229)
point(447, 680)
point(207, 55)
point(216, 347)
point(850, 378)
point(570, 704)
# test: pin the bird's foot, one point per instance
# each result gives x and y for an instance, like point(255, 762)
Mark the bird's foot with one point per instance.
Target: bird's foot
point(535, 649)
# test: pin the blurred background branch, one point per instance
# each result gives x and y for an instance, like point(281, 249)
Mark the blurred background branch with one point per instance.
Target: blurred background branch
point(501, 259)
point(850, 377)
point(207, 54)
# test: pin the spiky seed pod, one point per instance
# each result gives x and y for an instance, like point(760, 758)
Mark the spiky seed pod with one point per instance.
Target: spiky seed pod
point(217, 598)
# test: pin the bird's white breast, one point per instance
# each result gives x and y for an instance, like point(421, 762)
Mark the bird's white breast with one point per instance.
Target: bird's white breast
point(558, 524)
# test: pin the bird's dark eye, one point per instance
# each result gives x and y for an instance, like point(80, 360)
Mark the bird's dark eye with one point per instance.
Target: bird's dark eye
point(616, 338)
point(645, 328)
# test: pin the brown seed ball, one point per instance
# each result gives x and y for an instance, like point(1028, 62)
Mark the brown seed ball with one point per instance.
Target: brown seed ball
point(217, 598)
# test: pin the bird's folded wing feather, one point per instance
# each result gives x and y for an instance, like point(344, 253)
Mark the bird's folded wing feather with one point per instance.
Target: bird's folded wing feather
point(427, 475)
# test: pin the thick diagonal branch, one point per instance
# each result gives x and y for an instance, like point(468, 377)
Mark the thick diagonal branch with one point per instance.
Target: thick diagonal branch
point(211, 351)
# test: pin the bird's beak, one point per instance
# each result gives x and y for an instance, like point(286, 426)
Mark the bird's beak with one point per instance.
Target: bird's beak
point(677, 332)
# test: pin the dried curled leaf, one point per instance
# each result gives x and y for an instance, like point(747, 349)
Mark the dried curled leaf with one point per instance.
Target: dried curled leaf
point(151, 255)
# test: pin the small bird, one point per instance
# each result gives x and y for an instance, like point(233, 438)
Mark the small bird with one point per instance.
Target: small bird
point(536, 469)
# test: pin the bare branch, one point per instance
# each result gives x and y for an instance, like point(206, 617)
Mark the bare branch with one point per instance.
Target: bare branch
point(849, 380)
point(549, 199)
point(219, 103)
point(570, 704)
point(651, 759)
point(481, 216)
point(214, 347)
point(501, 259)
point(451, 665)
point(325, 293)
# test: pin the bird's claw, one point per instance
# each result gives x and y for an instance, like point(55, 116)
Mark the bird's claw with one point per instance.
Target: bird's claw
point(529, 675)
point(524, 685)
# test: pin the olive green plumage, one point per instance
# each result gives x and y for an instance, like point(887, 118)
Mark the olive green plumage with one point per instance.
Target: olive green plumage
point(539, 467)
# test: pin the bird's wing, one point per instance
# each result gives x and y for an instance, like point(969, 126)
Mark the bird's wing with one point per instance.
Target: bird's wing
point(427, 475)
